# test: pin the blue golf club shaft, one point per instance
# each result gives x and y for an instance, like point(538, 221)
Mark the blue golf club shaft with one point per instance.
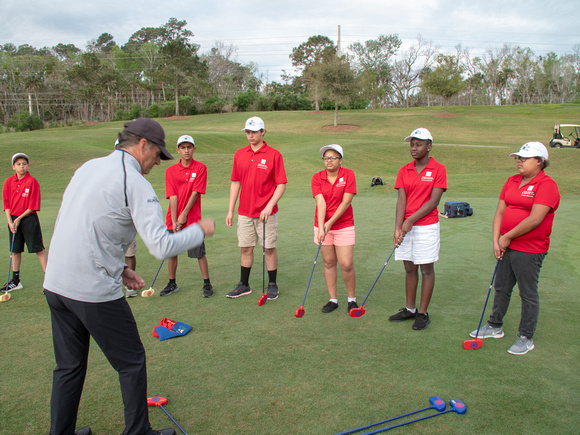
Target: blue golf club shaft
point(384, 265)
point(10, 262)
point(173, 420)
point(264, 259)
point(487, 299)
point(358, 429)
point(384, 429)
point(310, 279)
point(154, 279)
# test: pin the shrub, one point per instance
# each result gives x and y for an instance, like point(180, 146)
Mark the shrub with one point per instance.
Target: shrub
point(23, 121)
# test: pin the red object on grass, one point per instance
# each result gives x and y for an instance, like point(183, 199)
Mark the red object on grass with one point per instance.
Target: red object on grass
point(156, 401)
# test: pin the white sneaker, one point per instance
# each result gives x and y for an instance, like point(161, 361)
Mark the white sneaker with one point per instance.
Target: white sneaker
point(522, 346)
point(11, 286)
point(130, 293)
point(488, 332)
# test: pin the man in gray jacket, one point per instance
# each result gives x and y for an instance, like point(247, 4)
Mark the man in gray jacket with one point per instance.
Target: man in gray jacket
point(106, 202)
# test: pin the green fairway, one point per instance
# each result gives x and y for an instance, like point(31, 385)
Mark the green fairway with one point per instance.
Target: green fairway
point(246, 369)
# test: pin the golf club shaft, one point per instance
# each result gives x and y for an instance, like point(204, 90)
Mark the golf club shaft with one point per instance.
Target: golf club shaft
point(264, 259)
point(358, 429)
point(158, 270)
point(310, 279)
point(384, 265)
point(487, 298)
point(10, 262)
point(173, 420)
point(384, 429)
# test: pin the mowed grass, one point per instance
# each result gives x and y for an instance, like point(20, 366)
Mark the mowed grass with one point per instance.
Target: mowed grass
point(246, 369)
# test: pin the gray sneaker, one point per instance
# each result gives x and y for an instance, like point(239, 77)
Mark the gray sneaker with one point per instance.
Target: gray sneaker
point(130, 293)
point(522, 346)
point(169, 289)
point(239, 290)
point(488, 332)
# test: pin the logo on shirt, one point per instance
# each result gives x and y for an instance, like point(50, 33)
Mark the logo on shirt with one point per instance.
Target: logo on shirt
point(152, 199)
point(341, 182)
point(26, 192)
point(428, 177)
point(529, 192)
point(262, 164)
point(192, 178)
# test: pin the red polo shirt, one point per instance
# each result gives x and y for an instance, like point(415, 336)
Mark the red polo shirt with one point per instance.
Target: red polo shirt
point(181, 181)
point(333, 194)
point(20, 195)
point(541, 190)
point(258, 173)
point(418, 188)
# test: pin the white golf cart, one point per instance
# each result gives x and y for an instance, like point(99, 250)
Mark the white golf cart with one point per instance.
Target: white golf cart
point(566, 136)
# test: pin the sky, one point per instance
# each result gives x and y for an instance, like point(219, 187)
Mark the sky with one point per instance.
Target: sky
point(265, 31)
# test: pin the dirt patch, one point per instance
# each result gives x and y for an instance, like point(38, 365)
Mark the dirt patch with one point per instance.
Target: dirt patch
point(341, 127)
point(446, 115)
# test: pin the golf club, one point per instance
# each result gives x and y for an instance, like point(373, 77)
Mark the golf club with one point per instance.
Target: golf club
point(300, 311)
point(264, 296)
point(6, 296)
point(437, 403)
point(456, 405)
point(476, 343)
point(357, 312)
point(160, 401)
point(150, 290)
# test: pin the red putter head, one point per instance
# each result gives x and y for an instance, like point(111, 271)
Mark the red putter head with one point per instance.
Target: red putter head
point(156, 401)
point(474, 344)
point(357, 312)
point(299, 312)
point(262, 300)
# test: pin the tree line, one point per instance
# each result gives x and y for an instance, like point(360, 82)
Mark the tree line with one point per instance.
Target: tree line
point(159, 72)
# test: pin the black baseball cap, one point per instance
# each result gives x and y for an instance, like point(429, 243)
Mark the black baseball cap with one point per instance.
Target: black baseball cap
point(151, 130)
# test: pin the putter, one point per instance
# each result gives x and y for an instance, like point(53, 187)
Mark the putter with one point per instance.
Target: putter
point(476, 343)
point(6, 296)
point(456, 405)
point(300, 311)
point(360, 311)
point(160, 401)
point(150, 290)
point(264, 296)
point(437, 403)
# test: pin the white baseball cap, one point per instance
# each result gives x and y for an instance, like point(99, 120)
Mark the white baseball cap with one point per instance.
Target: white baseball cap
point(254, 124)
point(18, 155)
point(334, 147)
point(185, 138)
point(421, 134)
point(532, 149)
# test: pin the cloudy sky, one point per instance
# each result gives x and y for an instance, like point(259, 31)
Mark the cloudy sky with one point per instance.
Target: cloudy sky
point(265, 32)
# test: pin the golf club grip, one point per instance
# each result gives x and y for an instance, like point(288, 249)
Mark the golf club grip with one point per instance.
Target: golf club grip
point(311, 273)
point(384, 429)
point(173, 420)
point(379, 275)
point(358, 429)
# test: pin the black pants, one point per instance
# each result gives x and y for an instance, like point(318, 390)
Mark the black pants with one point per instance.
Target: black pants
point(113, 327)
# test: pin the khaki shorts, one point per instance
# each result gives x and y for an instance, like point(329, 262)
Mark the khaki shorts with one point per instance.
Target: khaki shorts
point(132, 249)
point(250, 231)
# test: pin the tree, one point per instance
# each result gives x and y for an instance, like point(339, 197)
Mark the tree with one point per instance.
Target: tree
point(308, 58)
point(445, 80)
point(373, 62)
point(337, 81)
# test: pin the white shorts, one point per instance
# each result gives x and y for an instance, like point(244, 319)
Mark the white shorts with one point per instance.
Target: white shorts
point(420, 245)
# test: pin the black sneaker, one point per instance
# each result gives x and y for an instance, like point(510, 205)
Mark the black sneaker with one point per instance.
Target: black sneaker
point(11, 286)
point(272, 291)
point(169, 431)
point(239, 290)
point(351, 305)
point(169, 288)
point(84, 431)
point(207, 290)
point(329, 307)
point(421, 321)
point(403, 314)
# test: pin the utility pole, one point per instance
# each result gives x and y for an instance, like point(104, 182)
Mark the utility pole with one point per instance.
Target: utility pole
point(338, 53)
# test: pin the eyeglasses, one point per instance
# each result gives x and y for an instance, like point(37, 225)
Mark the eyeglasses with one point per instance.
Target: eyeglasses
point(333, 158)
point(520, 159)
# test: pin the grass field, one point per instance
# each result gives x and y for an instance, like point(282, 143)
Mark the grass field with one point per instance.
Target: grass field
point(246, 369)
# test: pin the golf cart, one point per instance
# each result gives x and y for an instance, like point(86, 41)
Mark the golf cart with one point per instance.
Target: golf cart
point(566, 136)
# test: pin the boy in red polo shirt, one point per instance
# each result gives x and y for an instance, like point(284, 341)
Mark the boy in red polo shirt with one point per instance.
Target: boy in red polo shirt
point(259, 178)
point(420, 184)
point(185, 182)
point(21, 196)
